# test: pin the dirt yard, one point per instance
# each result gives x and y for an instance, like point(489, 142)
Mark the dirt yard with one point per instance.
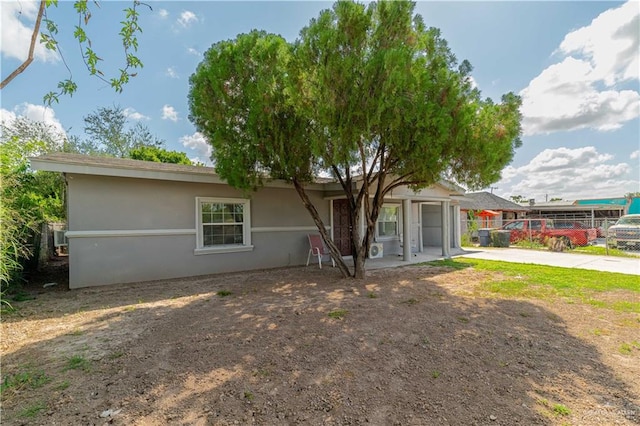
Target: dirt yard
point(407, 346)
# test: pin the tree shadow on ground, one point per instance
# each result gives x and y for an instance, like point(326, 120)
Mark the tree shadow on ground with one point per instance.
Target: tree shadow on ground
point(400, 349)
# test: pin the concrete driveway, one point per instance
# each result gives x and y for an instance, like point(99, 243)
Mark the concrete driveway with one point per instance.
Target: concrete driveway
point(623, 265)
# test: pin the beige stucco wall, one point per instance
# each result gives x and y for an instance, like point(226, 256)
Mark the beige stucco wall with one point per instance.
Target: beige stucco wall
point(99, 203)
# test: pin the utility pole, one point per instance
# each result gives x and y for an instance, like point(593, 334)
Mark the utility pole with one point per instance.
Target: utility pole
point(492, 188)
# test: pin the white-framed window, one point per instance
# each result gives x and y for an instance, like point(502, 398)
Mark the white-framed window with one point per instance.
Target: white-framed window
point(388, 224)
point(223, 225)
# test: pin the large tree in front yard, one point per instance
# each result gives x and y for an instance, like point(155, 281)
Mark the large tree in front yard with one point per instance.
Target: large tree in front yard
point(368, 94)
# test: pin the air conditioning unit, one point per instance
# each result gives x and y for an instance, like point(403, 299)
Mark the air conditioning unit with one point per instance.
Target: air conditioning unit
point(375, 251)
point(59, 239)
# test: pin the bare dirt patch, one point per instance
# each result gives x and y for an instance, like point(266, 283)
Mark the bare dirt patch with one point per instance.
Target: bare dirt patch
point(406, 346)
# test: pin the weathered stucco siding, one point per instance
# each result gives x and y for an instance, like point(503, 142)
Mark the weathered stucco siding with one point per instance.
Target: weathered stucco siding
point(99, 203)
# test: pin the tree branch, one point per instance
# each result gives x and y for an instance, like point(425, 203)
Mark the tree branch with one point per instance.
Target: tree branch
point(32, 46)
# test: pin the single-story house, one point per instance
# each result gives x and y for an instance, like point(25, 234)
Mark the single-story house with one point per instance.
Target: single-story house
point(489, 210)
point(130, 220)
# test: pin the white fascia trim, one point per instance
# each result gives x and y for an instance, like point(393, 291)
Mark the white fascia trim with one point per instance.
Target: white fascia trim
point(197, 176)
point(221, 249)
point(421, 198)
point(286, 228)
point(129, 233)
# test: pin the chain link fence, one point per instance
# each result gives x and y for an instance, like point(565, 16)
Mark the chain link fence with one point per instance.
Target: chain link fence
point(594, 235)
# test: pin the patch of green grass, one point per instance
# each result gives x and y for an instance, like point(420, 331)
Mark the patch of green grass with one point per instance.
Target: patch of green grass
point(32, 410)
point(248, 396)
point(435, 374)
point(63, 385)
point(449, 263)
point(27, 378)
point(224, 293)
point(463, 320)
point(22, 296)
point(372, 295)
point(627, 348)
point(541, 282)
point(561, 410)
point(338, 313)
point(7, 309)
point(116, 354)
point(601, 251)
point(78, 362)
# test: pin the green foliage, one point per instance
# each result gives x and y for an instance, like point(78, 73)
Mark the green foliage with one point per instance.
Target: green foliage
point(26, 378)
point(28, 198)
point(465, 240)
point(129, 32)
point(159, 155)
point(561, 410)
point(368, 94)
point(224, 293)
point(109, 134)
point(32, 410)
point(338, 314)
point(78, 362)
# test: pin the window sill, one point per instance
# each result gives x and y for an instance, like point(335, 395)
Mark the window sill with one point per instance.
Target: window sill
point(222, 249)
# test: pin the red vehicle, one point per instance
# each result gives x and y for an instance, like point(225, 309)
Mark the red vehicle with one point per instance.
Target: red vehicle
point(543, 229)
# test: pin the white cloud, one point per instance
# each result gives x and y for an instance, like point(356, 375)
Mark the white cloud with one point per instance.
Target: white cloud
point(569, 174)
point(635, 155)
point(17, 20)
point(38, 113)
point(194, 52)
point(610, 42)
point(171, 72)
point(134, 115)
point(581, 90)
point(187, 18)
point(34, 113)
point(169, 113)
point(163, 13)
point(199, 144)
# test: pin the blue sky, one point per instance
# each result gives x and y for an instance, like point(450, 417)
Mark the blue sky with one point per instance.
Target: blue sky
point(574, 63)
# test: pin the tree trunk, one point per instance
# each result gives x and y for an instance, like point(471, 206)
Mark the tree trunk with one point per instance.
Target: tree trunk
point(333, 249)
point(358, 264)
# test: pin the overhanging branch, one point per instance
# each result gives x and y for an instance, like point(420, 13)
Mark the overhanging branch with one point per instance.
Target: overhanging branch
point(32, 46)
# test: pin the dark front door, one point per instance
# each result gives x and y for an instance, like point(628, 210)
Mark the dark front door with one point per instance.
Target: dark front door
point(341, 228)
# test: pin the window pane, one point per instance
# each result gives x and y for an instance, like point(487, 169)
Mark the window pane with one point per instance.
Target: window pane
point(222, 224)
point(387, 228)
point(207, 235)
point(217, 217)
point(388, 221)
point(388, 214)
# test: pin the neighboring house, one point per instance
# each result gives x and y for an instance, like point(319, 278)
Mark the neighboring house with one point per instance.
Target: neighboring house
point(132, 220)
point(489, 210)
point(591, 212)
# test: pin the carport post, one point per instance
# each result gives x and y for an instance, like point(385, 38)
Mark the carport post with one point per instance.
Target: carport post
point(406, 230)
point(446, 233)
